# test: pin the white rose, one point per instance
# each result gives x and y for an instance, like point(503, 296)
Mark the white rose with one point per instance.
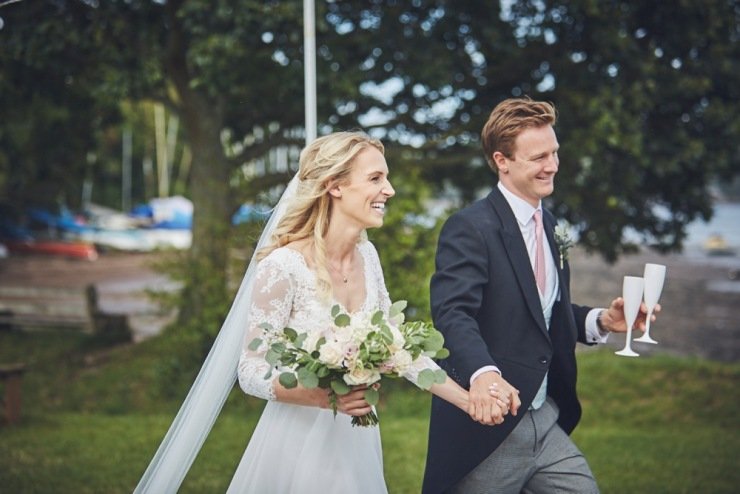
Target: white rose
point(398, 340)
point(312, 339)
point(331, 354)
point(401, 361)
point(344, 334)
point(361, 376)
point(361, 327)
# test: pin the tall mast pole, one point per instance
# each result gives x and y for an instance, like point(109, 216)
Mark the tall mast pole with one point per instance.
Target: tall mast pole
point(309, 64)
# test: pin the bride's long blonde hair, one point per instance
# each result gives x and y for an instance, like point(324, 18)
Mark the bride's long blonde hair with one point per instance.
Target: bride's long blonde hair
point(325, 162)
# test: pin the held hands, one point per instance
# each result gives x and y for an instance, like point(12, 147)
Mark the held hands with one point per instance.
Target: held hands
point(491, 398)
point(613, 317)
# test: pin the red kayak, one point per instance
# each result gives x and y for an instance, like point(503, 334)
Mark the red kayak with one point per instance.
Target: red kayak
point(80, 250)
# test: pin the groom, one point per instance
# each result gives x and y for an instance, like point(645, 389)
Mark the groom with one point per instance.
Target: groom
point(501, 298)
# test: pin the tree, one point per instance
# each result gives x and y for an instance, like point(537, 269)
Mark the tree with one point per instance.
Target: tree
point(50, 117)
point(647, 92)
point(648, 96)
point(227, 70)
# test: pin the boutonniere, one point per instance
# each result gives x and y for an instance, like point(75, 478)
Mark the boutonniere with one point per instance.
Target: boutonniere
point(563, 240)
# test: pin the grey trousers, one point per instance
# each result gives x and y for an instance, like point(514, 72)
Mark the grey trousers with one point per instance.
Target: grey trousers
point(537, 457)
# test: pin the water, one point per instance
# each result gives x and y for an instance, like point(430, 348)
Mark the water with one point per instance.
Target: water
point(725, 222)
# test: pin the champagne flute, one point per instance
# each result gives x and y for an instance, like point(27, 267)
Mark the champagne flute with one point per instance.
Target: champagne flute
point(632, 295)
point(654, 278)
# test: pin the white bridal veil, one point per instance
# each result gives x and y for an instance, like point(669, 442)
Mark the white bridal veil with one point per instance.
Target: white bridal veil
point(215, 380)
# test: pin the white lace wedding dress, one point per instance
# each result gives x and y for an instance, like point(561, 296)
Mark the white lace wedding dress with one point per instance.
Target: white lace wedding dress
point(300, 449)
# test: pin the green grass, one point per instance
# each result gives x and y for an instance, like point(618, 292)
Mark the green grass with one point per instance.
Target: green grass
point(93, 416)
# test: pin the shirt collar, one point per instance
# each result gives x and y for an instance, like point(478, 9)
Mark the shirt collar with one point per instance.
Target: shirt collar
point(523, 211)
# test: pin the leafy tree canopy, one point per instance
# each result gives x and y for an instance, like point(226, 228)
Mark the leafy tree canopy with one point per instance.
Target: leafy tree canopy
point(647, 94)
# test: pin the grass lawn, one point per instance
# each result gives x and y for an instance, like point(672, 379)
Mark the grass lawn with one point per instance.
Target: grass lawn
point(93, 417)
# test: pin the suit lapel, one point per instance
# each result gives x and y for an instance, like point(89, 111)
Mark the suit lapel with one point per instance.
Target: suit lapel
point(518, 256)
point(568, 321)
point(549, 227)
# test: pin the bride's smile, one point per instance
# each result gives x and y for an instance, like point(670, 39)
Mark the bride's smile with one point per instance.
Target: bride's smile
point(361, 202)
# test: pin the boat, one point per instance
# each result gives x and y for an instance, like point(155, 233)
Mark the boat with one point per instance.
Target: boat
point(19, 239)
point(716, 245)
point(61, 248)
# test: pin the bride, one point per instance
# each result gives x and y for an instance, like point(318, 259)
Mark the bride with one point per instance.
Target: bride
point(313, 254)
point(319, 256)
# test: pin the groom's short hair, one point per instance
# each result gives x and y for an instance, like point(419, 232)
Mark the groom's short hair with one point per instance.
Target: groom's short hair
point(508, 120)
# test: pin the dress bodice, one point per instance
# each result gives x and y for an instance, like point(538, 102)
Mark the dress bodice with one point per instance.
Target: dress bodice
point(286, 294)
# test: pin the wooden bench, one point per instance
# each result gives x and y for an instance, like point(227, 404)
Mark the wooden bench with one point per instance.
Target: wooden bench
point(12, 376)
point(34, 308)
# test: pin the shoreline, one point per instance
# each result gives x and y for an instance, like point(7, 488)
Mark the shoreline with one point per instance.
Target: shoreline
point(700, 299)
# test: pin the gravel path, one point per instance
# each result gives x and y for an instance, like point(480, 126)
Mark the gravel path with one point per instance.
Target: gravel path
point(122, 282)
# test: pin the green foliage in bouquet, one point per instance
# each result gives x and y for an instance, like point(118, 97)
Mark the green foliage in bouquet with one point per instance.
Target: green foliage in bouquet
point(354, 351)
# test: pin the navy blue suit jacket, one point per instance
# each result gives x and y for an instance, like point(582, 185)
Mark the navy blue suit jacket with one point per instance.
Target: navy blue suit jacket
point(485, 301)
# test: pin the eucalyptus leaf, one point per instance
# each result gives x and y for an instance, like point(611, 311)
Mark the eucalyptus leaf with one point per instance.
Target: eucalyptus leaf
point(386, 334)
point(272, 357)
point(288, 380)
point(255, 344)
point(307, 378)
point(442, 354)
point(397, 308)
point(377, 318)
point(434, 342)
point(291, 333)
point(372, 396)
point(426, 379)
point(440, 376)
point(342, 320)
point(335, 310)
point(300, 339)
point(340, 387)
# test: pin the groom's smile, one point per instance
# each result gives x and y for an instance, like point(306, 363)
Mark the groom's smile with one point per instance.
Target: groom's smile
point(530, 174)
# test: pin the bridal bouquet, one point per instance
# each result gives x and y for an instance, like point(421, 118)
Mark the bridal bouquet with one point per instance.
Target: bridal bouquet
point(357, 350)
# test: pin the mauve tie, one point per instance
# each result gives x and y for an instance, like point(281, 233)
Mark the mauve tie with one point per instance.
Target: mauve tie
point(539, 256)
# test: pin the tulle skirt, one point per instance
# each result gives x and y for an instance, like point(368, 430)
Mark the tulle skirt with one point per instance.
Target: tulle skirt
point(306, 450)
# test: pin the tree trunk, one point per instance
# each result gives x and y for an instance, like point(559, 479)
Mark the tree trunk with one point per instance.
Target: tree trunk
point(205, 295)
point(204, 301)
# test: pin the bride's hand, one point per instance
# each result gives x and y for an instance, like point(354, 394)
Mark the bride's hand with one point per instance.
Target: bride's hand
point(354, 403)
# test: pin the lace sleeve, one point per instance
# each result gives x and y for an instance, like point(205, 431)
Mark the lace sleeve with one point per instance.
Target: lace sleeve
point(272, 299)
point(384, 303)
point(412, 373)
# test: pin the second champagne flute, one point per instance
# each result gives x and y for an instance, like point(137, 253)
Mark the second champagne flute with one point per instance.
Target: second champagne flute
point(654, 278)
point(632, 295)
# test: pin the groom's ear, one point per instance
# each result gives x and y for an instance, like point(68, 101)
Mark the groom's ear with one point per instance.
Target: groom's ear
point(501, 162)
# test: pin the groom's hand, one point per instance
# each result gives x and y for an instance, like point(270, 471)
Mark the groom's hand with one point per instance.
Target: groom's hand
point(490, 408)
point(613, 319)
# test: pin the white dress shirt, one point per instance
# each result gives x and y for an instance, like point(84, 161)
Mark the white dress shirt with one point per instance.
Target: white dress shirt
point(524, 212)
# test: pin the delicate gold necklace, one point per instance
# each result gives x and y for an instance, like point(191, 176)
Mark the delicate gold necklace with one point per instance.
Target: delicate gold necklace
point(339, 272)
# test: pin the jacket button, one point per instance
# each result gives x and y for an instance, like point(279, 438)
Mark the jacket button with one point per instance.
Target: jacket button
point(543, 360)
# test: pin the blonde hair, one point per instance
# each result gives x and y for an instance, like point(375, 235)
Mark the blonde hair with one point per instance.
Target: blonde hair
point(508, 120)
point(325, 162)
